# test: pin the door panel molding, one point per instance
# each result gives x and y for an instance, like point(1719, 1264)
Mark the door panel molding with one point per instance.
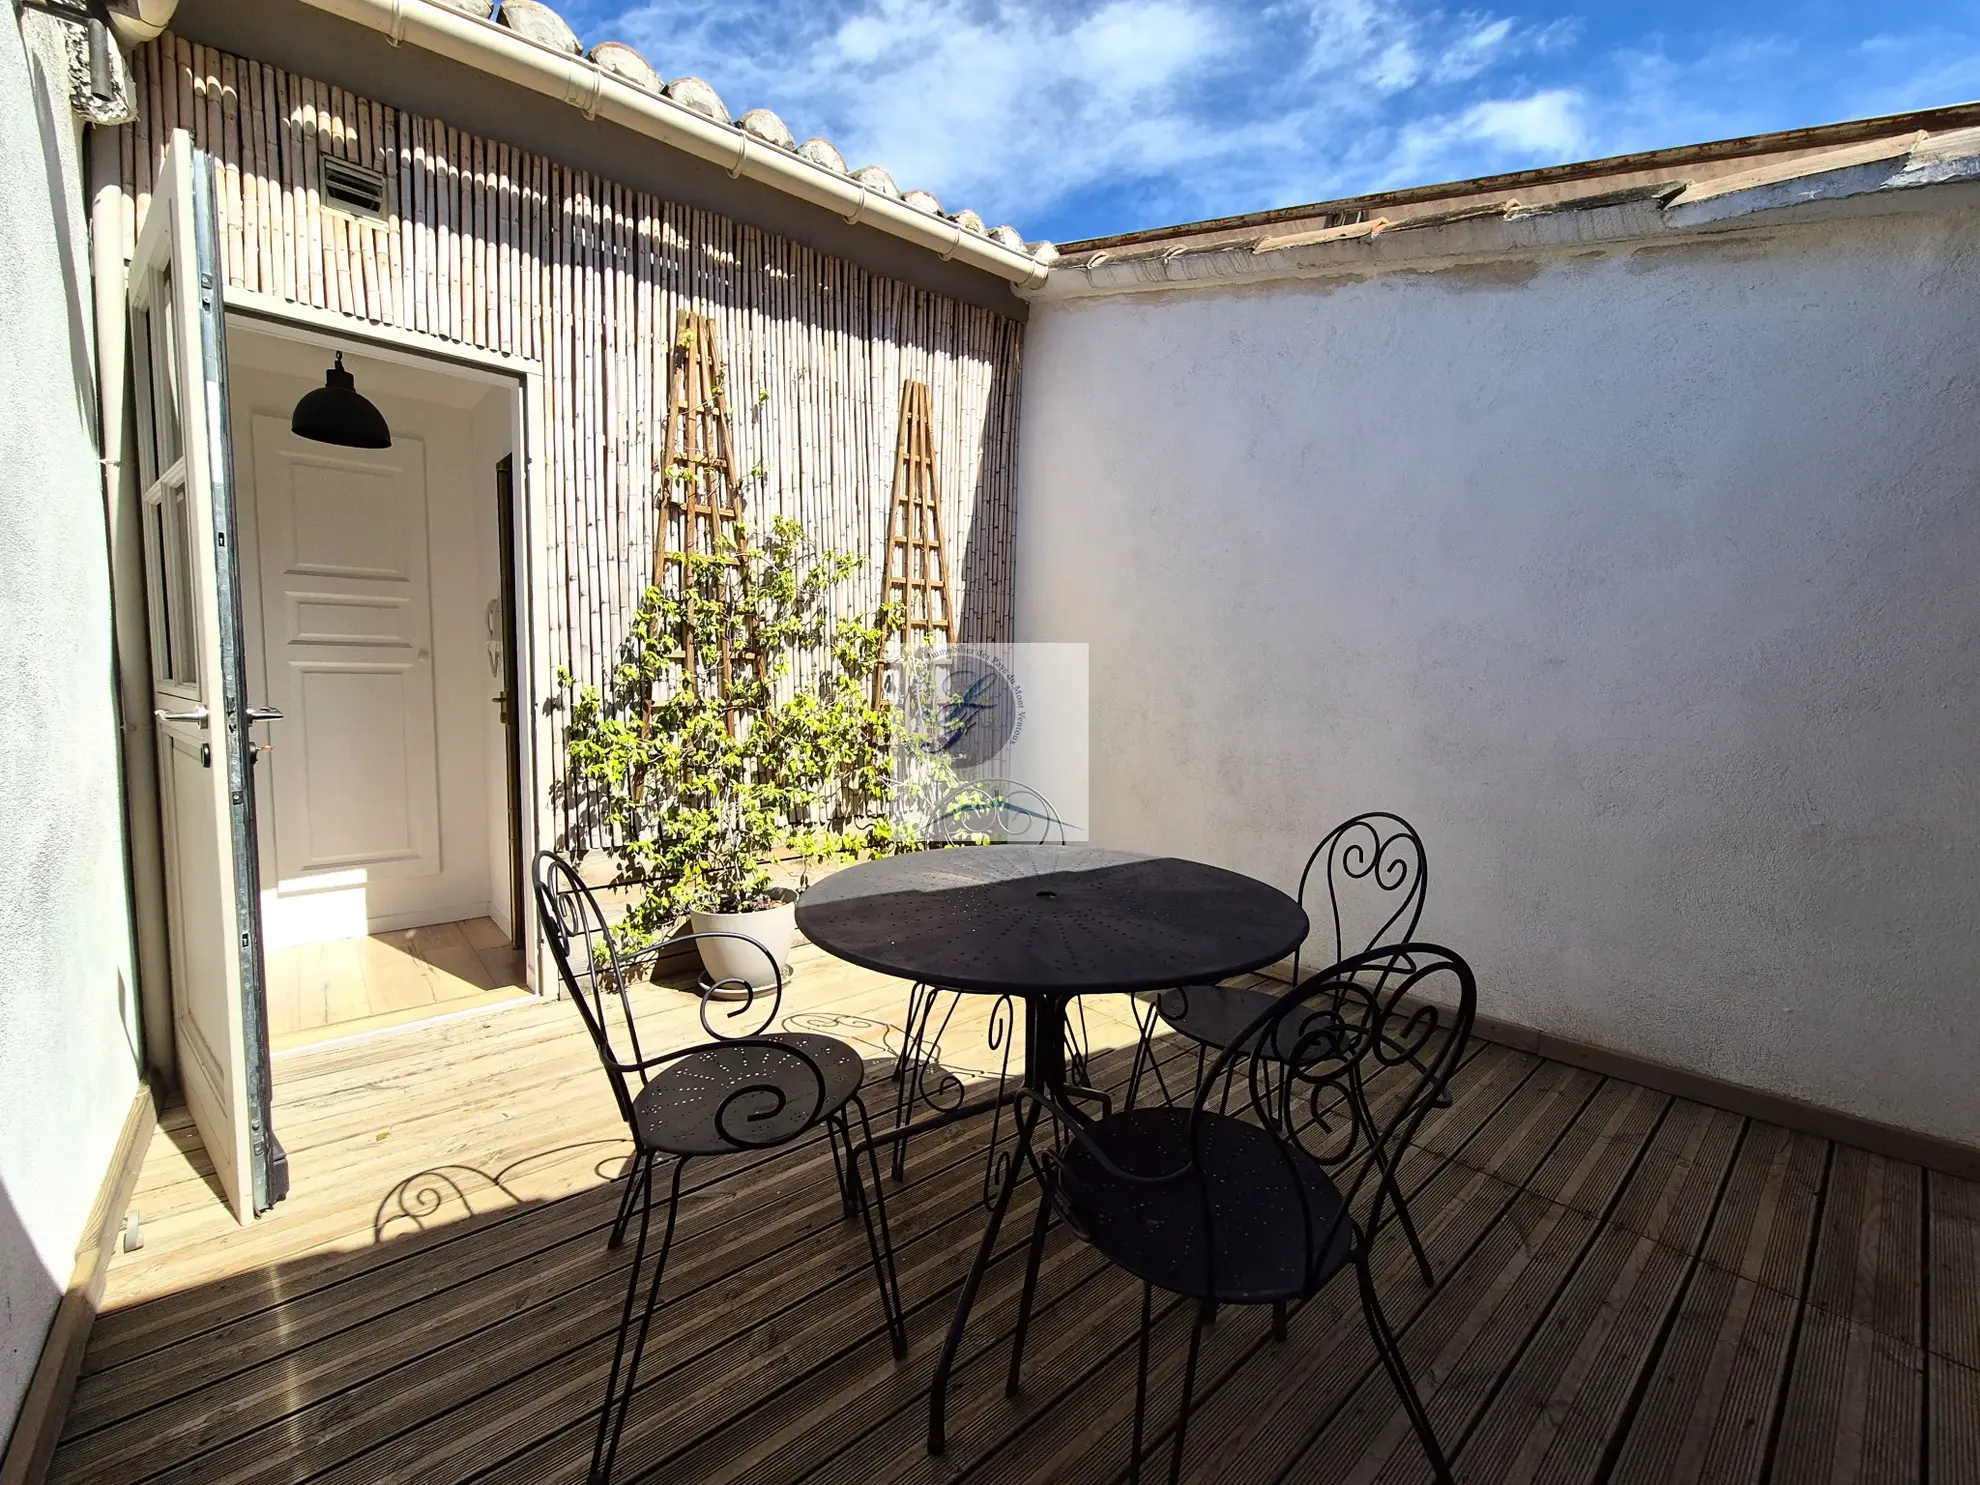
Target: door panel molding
point(356, 783)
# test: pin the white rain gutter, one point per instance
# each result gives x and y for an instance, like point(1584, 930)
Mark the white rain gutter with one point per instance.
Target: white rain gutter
point(1884, 176)
point(494, 49)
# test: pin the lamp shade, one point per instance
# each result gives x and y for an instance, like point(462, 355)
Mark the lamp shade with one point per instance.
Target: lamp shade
point(338, 413)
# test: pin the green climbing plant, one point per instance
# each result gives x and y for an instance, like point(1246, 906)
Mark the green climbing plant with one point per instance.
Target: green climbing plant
point(738, 727)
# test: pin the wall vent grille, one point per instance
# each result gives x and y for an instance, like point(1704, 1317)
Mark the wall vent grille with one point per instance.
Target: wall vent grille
point(350, 187)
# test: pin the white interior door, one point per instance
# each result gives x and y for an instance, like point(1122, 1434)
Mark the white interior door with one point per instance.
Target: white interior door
point(205, 752)
point(347, 615)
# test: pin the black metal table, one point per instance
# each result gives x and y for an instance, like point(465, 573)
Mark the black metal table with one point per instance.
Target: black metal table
point(1045, 924)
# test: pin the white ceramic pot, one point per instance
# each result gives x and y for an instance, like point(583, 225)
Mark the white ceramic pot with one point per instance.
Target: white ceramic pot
point(726, 959)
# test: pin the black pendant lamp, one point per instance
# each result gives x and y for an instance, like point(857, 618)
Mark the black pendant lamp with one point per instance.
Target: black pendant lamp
point(338, 413)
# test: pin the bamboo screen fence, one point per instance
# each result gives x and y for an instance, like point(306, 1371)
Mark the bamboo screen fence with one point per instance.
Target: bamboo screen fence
point(488, 245)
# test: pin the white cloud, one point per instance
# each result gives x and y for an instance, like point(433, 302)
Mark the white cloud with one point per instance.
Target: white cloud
point(1148, 111)
point(1546, 126)
point(1002, 105)
point(1547, 123)
point(1473, 52)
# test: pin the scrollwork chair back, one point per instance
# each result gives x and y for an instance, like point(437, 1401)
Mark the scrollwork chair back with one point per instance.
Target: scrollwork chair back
point(1377, 876)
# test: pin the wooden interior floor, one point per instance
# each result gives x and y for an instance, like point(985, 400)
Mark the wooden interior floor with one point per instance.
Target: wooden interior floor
point(345, 986)
point(1631, 1288)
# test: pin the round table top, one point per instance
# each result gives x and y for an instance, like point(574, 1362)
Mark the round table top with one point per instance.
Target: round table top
point(1050, 919)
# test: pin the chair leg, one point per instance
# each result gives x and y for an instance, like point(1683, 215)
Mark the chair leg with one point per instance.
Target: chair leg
point(907, 1069)
point(879, 1241)
point(642, 1161)
point(1278, 1319)
point(1392, 1361)
point(1079, 1043)
point(1390, 1190)
point(920, 1049)
point(835, 1133)
point(907, 1031)
point(1141, 1381)
point(1144, 1047)
point(618, 1400)
point(1188, 1392)
point(1040, 1225)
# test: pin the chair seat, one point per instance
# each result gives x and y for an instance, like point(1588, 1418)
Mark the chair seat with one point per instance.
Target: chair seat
point(745, 1096)
point(1269, 1243)
point(1217, 1015)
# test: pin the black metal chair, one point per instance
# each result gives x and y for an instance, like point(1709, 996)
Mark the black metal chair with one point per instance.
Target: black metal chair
point(741, 1091)
point(1377, 876)
point(1257, 1206)
point(981, 812)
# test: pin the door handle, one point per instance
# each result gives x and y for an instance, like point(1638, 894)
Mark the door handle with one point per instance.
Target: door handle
point(198, 714)
point(264, 714)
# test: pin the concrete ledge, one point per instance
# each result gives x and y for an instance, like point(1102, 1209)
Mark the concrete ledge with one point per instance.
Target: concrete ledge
point(1946, 1156)
point(46, 1405)
point(1909, 172)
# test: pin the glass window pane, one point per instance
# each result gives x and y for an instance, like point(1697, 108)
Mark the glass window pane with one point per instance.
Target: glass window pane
point(147, 439)
point(154, 585)
point(165, 398)
point(181, 636)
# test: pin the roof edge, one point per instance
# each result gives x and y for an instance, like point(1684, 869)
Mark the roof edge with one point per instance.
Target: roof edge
point(502, 53)
point(1820, 136)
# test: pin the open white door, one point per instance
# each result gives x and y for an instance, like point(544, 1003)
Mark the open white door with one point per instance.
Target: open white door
point(205, 753)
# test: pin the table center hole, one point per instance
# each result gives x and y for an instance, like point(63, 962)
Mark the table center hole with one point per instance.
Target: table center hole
point(1048, 894)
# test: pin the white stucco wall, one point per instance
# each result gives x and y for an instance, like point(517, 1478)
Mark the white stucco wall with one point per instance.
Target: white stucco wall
point(68, 998)
point(1647, 585)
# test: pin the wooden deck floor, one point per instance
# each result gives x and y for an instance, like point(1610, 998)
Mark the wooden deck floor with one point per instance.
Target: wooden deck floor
point(1631, 1288)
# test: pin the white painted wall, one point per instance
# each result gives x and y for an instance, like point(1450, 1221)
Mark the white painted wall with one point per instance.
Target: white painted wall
point(68, 997)
point(1647, 585)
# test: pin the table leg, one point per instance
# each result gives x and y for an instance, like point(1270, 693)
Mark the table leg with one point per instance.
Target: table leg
point(938, 1389)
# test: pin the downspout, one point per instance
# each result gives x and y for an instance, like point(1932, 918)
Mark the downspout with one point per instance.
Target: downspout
point(130, 621)
point(494, 49)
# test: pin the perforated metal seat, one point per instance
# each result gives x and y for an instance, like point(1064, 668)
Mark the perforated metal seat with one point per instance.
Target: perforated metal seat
point(1250, 1221)
point(716, 1099)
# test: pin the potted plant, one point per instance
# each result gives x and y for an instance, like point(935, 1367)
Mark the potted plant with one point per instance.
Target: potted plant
point(736, 731)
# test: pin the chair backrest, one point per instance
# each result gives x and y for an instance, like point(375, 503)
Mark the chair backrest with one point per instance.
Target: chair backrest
point(596, 971)
point(999, 812)
point(1376, 875)
point(1344, 1067)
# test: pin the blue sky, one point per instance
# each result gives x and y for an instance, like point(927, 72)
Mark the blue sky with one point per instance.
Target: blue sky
point(1073, 118)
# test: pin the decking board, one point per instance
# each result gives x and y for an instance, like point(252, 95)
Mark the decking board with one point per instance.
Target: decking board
point(1853, 1413)
point(1953, 1270)
point(1631, 1290)
point(1707, 1407)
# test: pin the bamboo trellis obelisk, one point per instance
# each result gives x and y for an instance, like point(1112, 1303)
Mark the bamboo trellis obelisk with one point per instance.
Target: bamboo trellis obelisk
point(917, 566)
point(917, 559)
point(698, 476)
